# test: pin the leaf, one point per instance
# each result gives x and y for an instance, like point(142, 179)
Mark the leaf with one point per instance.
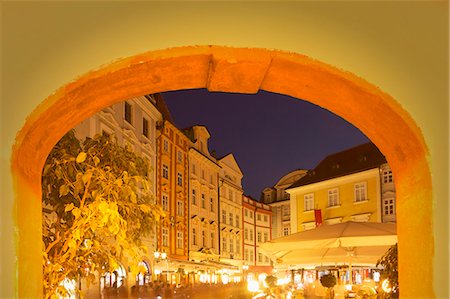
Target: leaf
point(76, 212)
point(96, 160)
point(81, 157)
point(69, 207)
point(145, 208)
point(63, 190)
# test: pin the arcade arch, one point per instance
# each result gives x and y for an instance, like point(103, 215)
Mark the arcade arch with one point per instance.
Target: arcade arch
point(239, 70)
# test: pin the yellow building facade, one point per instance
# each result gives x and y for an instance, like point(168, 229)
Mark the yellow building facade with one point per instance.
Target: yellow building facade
point(346, 186)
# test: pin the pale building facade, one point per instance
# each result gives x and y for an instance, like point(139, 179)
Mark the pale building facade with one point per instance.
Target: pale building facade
point(257, 229)
point(230, 206)
point(278, 199)
point(352, 185)
point(203, 197)
point(133, 122)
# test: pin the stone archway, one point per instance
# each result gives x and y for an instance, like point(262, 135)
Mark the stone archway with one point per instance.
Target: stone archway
point(239, 70)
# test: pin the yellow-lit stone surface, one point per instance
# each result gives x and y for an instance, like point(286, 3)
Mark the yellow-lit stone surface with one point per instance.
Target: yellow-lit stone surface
point(372, 111)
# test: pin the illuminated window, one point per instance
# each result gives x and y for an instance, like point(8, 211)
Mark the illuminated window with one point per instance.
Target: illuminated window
point(165, 236)
point(259, 236)
point(309, 201)
point(286, 231)
point(179, 240)
point(180, 208)
point(258, 217)
point(333, 197)
point(360, 192)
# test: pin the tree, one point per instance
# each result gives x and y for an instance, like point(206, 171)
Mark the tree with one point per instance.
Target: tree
point(97, 206)
point(328, 281)
point(389, 263)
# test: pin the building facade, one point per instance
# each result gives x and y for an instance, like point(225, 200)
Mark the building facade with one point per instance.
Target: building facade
point(172, 195)
point(279, 201)
point(352, 185)
point(230, 207)
point(203, 197)
point(257, 229)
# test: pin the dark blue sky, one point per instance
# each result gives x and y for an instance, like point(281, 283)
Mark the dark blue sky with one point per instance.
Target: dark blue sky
point(269, 134)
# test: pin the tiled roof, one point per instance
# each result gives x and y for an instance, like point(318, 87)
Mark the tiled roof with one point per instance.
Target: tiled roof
point(360, 158)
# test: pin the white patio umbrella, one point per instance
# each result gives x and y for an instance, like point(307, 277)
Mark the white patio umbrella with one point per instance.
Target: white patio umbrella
point(349, 242)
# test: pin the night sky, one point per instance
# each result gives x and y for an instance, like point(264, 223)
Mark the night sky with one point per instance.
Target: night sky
point(269, 134)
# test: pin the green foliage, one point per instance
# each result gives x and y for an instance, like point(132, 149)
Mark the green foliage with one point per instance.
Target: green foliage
point(97, 207)
point(389, 263)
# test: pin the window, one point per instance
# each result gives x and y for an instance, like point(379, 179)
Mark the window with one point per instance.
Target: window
point(246, 257)
point(286, 211)
point(194, 198)
point(389, 206)
point(246, 213)
point(246, 234)
point(237, 221)
point(333, 197)
point(250, 214)
point(165, 236)
point(230, 194)
point(286, 231)
point(193, 169)
point(258, 217)
point(179, 239)
point(251, 235)
point(251, 255)
point(231, 218)
point(231, 245)
point(166, 145)
point(266, 259)
point(224, 216)
point(194, 236)
point(211, 204)
point(224, 244)
point(128, 113)
point(165, 171)
point(259, 237)
point(165, 202)
point(211, 181)
point(179, 157)
point(203, 238)
point(266, 237)
point(180, 179)
point(203, 201)
point(360, 192)
point(180, 208)
point(203, 174)
point(259, 257)
point(238, 247)
point(212, 240)
point(145, 127)
point(309, 202)
point(265, 218)
point(387, 176)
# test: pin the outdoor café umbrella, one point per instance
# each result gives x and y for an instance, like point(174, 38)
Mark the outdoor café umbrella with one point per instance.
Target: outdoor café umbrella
point(348, 242)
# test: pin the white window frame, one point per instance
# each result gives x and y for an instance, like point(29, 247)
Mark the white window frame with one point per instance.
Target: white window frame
point(333, 197)
point(389, 206)
point(308, 200)
point(286, 231)
point(165, 236)
point(360, 190)
point(180, 242)
point(194, 197)
point(180, 208)
point(387, 176)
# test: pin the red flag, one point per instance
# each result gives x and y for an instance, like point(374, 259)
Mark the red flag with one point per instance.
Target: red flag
point(318, 217)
